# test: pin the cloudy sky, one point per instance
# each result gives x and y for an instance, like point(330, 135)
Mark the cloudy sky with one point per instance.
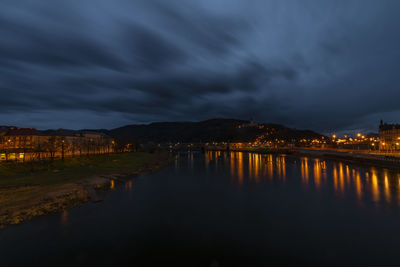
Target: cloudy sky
point(324, 65)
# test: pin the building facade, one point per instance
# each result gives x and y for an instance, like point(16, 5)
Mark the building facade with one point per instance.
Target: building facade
point(389, 136)
point(24, 144)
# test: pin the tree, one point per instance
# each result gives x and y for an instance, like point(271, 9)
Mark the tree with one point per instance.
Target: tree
point(53, 145)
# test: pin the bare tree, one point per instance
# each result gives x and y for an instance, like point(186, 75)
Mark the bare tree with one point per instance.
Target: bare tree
point(53, 145)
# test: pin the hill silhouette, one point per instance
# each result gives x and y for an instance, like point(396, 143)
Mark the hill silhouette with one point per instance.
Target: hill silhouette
point(213, 130)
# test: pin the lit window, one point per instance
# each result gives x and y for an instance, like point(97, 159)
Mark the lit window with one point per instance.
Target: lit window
point(21, 155)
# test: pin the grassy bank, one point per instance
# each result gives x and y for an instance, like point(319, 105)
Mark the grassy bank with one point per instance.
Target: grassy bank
point(32, 189)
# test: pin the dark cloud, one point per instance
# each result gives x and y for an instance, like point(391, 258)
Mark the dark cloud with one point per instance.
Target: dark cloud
point(326, 66)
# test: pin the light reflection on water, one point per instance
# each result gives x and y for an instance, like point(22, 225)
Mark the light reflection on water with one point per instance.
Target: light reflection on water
point(365, 185)
point(129, 186)
point(64, 217)
point(233, 206)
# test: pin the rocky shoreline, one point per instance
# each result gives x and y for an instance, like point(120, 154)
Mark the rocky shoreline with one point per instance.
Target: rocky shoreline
point(66, 195)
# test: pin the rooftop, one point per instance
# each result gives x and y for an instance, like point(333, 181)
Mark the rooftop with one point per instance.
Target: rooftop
point(386, 126)
point(22, 132)
point(94, 133)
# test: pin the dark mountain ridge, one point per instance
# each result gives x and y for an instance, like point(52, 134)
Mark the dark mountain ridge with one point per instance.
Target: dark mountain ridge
point(213, 130)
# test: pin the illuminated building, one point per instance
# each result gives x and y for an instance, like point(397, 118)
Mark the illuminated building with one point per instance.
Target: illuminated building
point(22, 144)
point(389, 136)
point(249, 124)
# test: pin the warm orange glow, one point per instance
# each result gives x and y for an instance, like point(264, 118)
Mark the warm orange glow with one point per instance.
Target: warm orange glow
point(232, 160)
point(250, 166)
point(112, 184)
point(323, 169)
point(283, 168)
point(335, 178)
point(341, 177)
point(358, 186)
point(256, 167)
point(398, 190)
point(348, 176)
point(64, 217)
point(375, 186)
point(387, 188)
point(240, 167)
point(304, 171)
point(128, 186)
point(278, 166)
point(317, 173)
point(270, 166)
point(207, 159)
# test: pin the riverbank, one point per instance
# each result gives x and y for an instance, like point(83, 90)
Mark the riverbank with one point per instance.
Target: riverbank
point(32, 189)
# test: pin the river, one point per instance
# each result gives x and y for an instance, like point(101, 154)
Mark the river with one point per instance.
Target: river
point(224, 209)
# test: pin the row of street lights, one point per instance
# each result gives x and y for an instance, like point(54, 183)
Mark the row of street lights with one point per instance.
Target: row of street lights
point(361, 139)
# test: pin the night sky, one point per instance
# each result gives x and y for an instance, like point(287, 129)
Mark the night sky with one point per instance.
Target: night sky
point(323, 65)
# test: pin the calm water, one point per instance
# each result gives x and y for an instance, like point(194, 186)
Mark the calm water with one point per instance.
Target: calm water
point(225, 209)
